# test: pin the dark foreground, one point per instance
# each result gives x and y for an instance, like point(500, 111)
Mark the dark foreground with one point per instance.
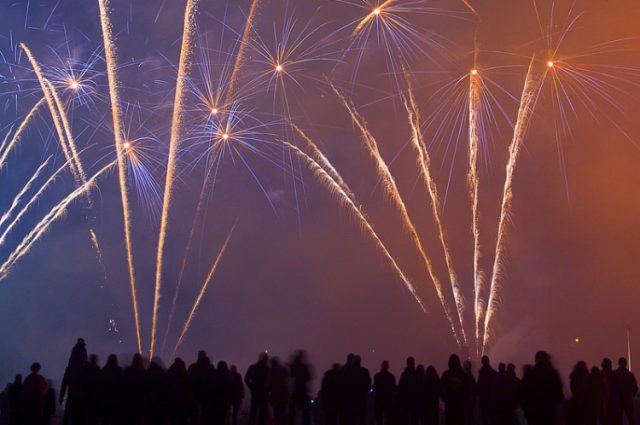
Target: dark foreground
point(278, 394)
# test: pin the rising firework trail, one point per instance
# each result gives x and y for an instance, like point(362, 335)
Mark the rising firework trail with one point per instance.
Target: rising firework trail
point(184, 69)
point(18, 198)
point(36, 233)
point(53, 109)
point(473, 183)
point(96, 247)
point(111, 62)
point(209, 173)
point(34, 199)
point(203, 290)
point(527, 103)
point(343, 198)
point(8, 147)
point(324, 162)
point(424, 161)
point(391, 189)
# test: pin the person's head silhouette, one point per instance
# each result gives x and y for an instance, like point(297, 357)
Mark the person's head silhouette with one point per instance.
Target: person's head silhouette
point(622, 363)
point(485, 361)
point(385, 365)
point(35, 367)
point(454, 362)
point(411, 362)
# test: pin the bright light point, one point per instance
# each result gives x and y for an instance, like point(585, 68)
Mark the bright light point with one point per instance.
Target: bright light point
point(279, 68)
point(550, 64)
point(377, 11)
point(577, 340)
point(225, 136)
point(214, 111)
point(126, 145)
point(74, 85)
point(474, 72)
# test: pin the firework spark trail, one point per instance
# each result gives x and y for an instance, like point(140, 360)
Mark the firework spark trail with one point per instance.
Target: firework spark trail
point(470, 7)
point(320, 157)
point(528, 100)
point(6, 139)
point(96, 246)
point(68, 133)
point(208, 181)
point(335, 189)
point(44, 85)
point(111, 63)
point(392, 191)
point(424, 162)
point(372, 15)
point(39, 229)
point(474, 183)
point(32, 201)
point(184, 68)
point(23, 191)
point(209, 174)
point(203, 290)
point(8, 147)
point(248, 26)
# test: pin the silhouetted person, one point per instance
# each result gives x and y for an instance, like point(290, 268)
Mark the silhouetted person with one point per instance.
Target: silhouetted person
point(134, 386)
point(70, 388)
point(455, 389)
point(576, 413)
point(49, 408)
point(223, 394)
point(179, 393)
point(595, 398)
point(348, 392)
point(278, 385)
point(507, 395)
point(33, 390)
point(256, 380)
point(409, 394)
point(628, 388)
point(15, 401)
point(472, 393)
point(432, 397)
point(90, 390)
point(238, 394)
point(541, 391)
point(330, 394)
point(199, 376)
point(612, 394)
point(487, 383)
point(300, 373)
point(363, 379)
point(111, 400)
point(157, 394)
point(384, 386)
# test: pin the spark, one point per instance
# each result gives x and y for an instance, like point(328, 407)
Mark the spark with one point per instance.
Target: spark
point(39, 229)
point(55, 115)
point(344, 199)
point(32, 201)
point(214, 111)
point(550, 64)
point(111, 62)
point(528, 100)
point(23, 191)
point(184, 68)
point(203, 290)
point(391, 189)
point(424, 162)
point(18, 134)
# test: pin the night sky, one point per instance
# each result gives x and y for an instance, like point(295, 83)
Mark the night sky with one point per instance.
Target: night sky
point(299, 272)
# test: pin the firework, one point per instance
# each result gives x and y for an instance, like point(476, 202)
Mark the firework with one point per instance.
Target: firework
point(184, 68)
point(528, 100)
point(39, 229)
point(391, 190)
point(8, 147)
point(344, 199)
point(111, 62)
point(23, 191)
point(203, 289)
point(424, 161)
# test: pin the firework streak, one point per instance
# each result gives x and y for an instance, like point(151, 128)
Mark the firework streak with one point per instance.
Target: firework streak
point(184, 69)
point(18, 134)
point(110, 59)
